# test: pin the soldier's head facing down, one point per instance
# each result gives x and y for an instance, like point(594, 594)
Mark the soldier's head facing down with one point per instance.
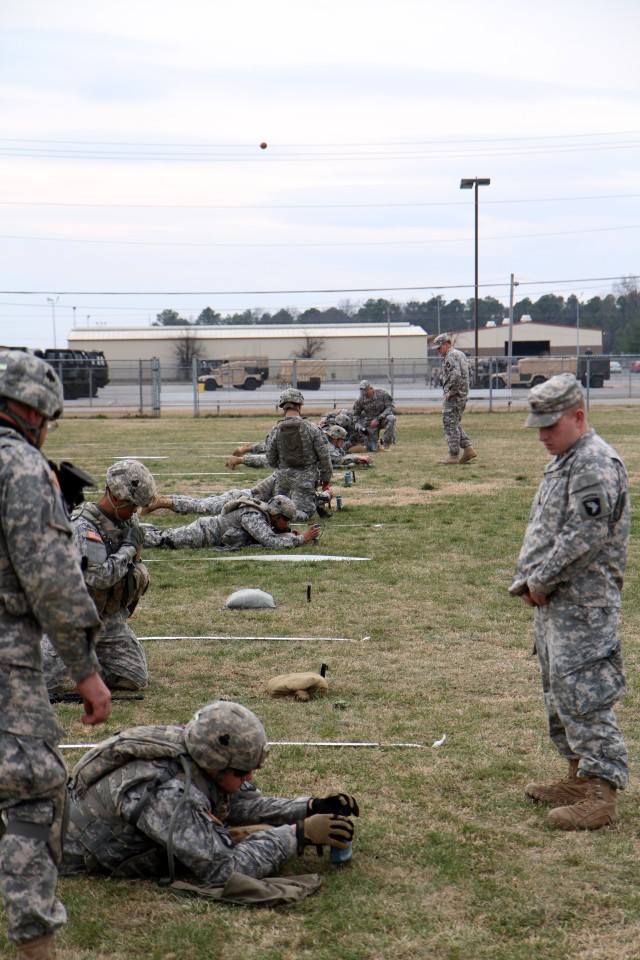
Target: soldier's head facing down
point(227, 741)
point(557, 410)
point(129, 485)
point(442, 343)
point(30, 395)
point(281, 510)
point(291, 399)
point(365, 388)
point(337, 435)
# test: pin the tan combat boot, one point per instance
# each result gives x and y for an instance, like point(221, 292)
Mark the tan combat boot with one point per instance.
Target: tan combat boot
point(561, 793)
point(42, 948)
point(234, 461)
point(598, 809)
point(468, 454)
point(242, 449)
point(159, 502)
point(450, 459)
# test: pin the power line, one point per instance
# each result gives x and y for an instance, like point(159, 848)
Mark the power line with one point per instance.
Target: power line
point(328, 243)
point(304, 206)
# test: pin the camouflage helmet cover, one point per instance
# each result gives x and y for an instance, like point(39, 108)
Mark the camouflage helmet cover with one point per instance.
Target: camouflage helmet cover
point(441, 339)
point(131, 480)
point(282, 506)
point(338, 433)
point(343, 420)
point(32, 381)
point(225, 734)
point(290, 398)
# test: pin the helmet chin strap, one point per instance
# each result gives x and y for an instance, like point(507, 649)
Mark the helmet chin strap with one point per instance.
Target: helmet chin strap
point(30, 432)
point(115, 508)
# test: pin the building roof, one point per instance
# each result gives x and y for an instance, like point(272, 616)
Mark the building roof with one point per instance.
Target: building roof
point(243, 331)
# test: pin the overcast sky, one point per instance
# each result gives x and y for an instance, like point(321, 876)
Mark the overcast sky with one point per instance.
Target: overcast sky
point(133, 179)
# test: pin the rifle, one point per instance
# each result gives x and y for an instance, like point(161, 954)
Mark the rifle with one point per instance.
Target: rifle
point(72, 481)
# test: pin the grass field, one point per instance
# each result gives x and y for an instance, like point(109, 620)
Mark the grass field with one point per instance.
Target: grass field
point(450, 862)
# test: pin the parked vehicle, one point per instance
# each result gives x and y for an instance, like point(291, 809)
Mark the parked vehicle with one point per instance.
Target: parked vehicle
point(530, 371)
point(247, 373)
point(615, 367)
point(309, 374)
point(75, 369)
point(635, 366)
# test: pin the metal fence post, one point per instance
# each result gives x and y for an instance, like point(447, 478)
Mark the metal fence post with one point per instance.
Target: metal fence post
point(391, 375)
point(294, 375)
point(196, 395)
point(155, 387)
point(141, 407)
point(588, 381)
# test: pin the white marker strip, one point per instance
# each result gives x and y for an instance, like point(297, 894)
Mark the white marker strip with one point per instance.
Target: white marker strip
point(291, 743)
point(307, 558)
point(227, 637)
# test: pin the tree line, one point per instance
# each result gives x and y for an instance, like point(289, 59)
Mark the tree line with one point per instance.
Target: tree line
point(618, 314)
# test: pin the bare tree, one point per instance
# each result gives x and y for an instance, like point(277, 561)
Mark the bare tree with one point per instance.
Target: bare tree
point(312, 347)
point(186, 346)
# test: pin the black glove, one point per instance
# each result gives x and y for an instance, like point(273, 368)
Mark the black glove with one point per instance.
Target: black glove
point(340, 803)
point(324, 828)
point(134, 536)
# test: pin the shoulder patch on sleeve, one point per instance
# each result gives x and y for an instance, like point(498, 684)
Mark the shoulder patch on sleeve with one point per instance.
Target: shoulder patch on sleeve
point(93, 535)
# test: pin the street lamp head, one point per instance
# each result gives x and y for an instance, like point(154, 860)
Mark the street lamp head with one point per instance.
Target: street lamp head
point(468, 183)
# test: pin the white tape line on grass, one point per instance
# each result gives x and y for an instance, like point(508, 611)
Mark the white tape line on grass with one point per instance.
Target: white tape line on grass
point(307, 558)
point(293, 743)
point(227, 637)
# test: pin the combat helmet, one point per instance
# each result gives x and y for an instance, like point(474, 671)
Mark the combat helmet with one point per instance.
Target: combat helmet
point(343, 420)
point(290, 398)
point(131, 480)
point(338, 433)
point(282, 506)
point(32, 381)
point(225, 734)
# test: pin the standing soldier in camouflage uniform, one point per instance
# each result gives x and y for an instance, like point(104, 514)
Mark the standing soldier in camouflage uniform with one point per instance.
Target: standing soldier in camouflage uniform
point(374, 411)
point(41, 588)
point(570, 569)
point(241, 523)
point(297, 451)
point(455, 386)
point(155, 795)
point(108, 538)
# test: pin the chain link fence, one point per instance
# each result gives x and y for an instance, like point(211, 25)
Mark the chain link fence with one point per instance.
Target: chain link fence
point(147, 388)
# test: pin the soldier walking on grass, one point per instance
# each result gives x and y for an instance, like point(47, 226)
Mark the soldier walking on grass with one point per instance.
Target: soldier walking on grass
point(455, 387)
point(571, 569)
point(41, 588)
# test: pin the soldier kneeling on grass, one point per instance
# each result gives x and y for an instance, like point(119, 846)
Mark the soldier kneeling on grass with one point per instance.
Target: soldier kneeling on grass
point(152, 800)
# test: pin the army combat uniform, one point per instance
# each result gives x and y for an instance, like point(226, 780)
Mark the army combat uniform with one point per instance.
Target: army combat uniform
point(242, 523)
point(122, 823)
point(41, 588)
point(297, 451)
point(455, 385)
point(574, 553)
point(116, 579)
point(378, 407)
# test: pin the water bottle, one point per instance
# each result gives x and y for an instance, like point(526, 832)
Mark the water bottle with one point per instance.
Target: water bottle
point(339, 503)
point(347, 478)
point(340, 857)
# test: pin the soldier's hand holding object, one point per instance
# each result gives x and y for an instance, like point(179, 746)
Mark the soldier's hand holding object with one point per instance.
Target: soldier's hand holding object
point(340, 803)
point(326, 828)
point(134, 537)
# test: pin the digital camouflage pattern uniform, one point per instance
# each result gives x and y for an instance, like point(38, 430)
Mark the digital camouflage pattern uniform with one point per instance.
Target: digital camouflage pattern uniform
point(298, 480)
point(455, 386)
point(574, 552)
point(121, 825)
point(116, 579)
point(41, 588)
point(244, 524)
point(379, 407)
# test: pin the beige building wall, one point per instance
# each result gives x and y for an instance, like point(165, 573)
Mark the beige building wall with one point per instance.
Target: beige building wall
point(340, 342)
point(561, 340)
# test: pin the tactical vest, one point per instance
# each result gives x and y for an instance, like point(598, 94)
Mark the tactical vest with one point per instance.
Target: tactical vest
point(290, 445)
point(126, 592)
point(136, 757)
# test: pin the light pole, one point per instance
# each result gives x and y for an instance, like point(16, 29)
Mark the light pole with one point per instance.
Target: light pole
point(53, 301)
point(467, 184)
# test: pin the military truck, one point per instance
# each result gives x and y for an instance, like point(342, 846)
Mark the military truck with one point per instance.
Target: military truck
point(246, 373)
point(530, 371)
point(309, 373)
point(74, 368)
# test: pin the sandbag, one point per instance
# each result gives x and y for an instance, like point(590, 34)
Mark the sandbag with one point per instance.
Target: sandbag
point(300, 686)
point(250, 599)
